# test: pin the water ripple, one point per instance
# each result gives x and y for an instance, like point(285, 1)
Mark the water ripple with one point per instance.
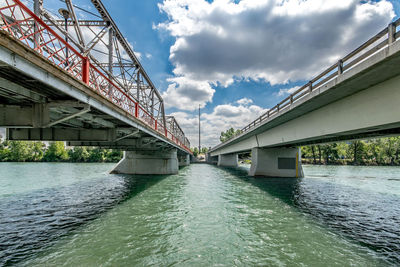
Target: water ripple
point(203, 216)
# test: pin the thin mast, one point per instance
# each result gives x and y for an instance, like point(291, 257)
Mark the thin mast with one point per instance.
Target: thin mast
point(199, 131)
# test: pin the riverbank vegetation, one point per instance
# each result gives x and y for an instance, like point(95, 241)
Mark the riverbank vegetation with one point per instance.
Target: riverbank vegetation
point(27, 151)
point(380, 151)
point(374, 152)
point(195, 151)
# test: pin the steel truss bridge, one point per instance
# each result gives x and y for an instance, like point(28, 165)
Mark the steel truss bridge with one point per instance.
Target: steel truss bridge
point(74, 77)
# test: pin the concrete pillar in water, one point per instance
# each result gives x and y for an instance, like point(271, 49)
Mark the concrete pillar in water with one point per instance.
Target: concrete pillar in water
point(228, 160)
point(276, 162)
point(148, 162)
point(184, 160)
point(211, 159)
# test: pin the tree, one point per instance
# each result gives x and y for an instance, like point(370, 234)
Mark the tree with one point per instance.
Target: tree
point(56, 152)
point(96, 155)
point(195, 151)
point(330, 152)
point(4, 151)
point(204, 150)
point(37, 151)
point(113, 155)
point(19, 151)
point(357, 151)
point(228, 134)
point(391, 149)
point(78, 154)
point(319, 154)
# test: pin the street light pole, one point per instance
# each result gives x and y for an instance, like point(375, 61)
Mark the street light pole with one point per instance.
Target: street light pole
point(65, 13)
point(199, 132)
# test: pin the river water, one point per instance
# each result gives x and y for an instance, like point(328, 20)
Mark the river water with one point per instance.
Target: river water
point(79, 215)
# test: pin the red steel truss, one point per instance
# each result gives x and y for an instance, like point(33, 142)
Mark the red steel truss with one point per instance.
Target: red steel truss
point(24, 25)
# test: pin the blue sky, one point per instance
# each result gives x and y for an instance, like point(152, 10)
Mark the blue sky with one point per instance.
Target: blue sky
point(238, 58)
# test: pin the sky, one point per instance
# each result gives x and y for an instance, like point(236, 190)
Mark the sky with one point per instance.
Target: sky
point(237, 58)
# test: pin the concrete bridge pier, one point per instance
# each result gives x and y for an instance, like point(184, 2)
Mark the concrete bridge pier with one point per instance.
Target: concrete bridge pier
point(184, 160)
point(211, 159)
point(276, 162)
point(228, 160)
point(148, 162)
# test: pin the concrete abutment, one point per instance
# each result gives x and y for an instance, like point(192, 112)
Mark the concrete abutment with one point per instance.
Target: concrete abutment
point(148, 162)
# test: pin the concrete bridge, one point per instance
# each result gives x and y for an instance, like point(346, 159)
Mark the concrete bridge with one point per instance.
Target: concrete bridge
point(59, 85)
point(359, 97)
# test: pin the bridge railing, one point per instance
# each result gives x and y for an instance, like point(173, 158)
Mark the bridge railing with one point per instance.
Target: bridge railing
point(381, 40)
point(21, 23)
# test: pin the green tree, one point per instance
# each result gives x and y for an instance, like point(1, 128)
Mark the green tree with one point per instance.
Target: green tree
point(330, 152)
point(37, 151)
point(356, 151)
point(78, 154)
point(228, 134)
point(96, 155)
point(56, 152)
point(195, 151)
point(4, 151)
point(390, 149)
point(19, 151)
point(113, 155)
point(341, 150)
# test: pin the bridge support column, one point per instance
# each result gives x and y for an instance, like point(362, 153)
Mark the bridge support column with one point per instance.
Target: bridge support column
point(184, 160)
point(228, 160)
point(276, 162)
point(148, 162)
point(211, 159)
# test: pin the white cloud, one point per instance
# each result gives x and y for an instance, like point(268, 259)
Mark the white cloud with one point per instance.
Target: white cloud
point(271, 40)
point(187, 94)
point(220, 119)
point(287, 91)
point(244, 101)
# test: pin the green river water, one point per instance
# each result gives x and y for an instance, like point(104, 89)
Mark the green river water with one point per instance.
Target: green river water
point(54, 214)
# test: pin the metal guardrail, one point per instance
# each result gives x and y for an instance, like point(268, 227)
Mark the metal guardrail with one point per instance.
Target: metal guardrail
point(22, 24)
point(384, 38)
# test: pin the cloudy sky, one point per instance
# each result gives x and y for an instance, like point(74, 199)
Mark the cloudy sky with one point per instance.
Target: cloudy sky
point(237, 58)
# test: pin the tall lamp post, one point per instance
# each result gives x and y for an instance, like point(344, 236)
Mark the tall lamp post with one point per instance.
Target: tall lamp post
point(199, 132)
point(65, 14)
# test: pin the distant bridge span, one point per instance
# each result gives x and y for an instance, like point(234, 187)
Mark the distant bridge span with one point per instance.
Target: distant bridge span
point(359, 97)
point(57, 88)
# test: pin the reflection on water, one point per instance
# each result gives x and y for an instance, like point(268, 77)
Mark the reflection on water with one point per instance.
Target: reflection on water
point(205, 215)
point(359, 202)
point(31, 221)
